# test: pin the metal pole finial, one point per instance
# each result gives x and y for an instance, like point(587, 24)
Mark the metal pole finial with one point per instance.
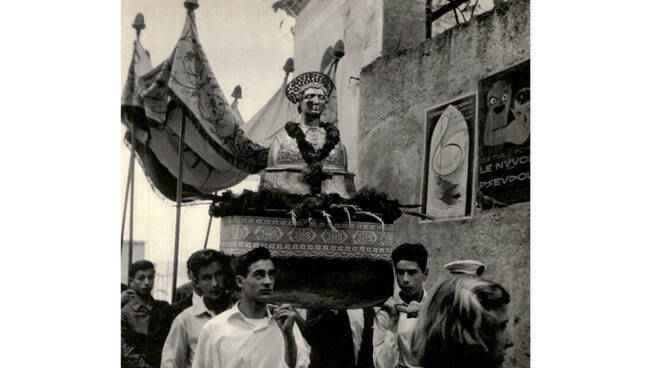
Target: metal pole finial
point(288, 66)
point(238, 92)
point(138, 23)
point(191, 4)
point(338, 50)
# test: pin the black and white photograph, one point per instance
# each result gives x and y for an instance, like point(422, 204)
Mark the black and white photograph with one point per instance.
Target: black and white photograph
point(284, 165)
point(330, 183)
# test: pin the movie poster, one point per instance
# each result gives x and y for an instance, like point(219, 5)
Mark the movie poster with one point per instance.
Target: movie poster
point(504, 136)
point(447, 192)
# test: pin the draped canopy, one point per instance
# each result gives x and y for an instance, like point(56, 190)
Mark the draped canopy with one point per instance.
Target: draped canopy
point(220, 149)
point(155, 102)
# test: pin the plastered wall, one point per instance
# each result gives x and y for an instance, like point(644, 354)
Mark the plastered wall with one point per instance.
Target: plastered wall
point(395, 91)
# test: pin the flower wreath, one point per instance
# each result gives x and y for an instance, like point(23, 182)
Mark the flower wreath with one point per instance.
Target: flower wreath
point(314, 175)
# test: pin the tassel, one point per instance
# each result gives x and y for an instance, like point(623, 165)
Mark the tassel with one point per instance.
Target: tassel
point(293, 218)
point(348, 216)
point(374, 216)
point(329, 220)
point(345, 207)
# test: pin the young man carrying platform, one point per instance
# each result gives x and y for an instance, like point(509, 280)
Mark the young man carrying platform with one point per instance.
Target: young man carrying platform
point(397, 319)
point(252, 333)
point(210, 272)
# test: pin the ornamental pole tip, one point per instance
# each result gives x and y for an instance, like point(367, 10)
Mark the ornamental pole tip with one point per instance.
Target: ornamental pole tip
point(238, 92)
point(191, 4)
point(138, 23)
point(288, 66)
point(338, 50)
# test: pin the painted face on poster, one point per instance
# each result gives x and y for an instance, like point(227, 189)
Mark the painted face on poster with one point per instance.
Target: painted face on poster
point(504, 145)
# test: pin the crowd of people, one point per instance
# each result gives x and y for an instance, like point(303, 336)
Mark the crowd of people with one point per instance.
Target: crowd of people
point(222, 319)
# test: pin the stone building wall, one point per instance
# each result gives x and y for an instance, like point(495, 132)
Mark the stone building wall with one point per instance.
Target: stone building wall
point(403, 24)
point(395, 91)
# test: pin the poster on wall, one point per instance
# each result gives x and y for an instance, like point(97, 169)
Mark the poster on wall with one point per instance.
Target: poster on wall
point(447, 192)
point(504, 137)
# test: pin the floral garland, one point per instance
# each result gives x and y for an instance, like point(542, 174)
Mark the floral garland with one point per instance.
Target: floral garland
point(314, 175)
point(271, 202)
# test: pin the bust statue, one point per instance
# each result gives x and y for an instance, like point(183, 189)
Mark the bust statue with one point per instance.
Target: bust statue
point(308, 157)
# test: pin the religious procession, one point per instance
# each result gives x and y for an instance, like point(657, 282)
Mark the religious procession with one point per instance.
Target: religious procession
point(385, 222)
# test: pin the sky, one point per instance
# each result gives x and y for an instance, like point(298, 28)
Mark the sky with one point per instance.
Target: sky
point(246, 43)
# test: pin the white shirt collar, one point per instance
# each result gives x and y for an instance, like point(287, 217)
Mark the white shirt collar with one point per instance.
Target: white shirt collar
point(398, 300)
point(234, 311)
point(197, 299)
point(200, 308)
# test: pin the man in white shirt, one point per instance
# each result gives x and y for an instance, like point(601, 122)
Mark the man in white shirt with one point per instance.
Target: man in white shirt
point(252, 333)
point(396, 320)
point(209, 270)
point(187, 294)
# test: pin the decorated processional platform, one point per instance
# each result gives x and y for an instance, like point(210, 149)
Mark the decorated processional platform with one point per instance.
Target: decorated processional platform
point(331, 243)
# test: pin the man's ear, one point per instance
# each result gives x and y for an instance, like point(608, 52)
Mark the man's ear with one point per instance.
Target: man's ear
point(239, 281)
point(194, 281)
point(426, 273)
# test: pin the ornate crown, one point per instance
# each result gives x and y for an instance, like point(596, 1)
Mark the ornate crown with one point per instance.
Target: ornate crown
point(299, 83)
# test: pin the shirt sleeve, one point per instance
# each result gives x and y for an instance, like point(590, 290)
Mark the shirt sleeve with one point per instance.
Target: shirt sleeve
point(386, 349)
point(129, 356)
point(302, 360)
point(202, 353)
point(175, 350)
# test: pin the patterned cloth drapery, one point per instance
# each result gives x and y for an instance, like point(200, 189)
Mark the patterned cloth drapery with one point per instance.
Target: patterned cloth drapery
point(216, 153)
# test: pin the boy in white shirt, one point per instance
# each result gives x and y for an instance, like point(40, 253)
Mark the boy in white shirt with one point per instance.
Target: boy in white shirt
point(396, 320)
point(253, 333)
point(210, 272)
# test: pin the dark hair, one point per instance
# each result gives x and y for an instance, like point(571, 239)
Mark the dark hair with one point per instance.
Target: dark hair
point(411, 252)
point(142, 265)
point(243, 262)
point(189, 261)
point(206, 257)
point(456, 327)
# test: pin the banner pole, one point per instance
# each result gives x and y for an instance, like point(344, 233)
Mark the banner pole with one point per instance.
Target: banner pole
point(208, 229)
point(179, 184)
point(129, 182)
point(132, 188)
point(138, 25)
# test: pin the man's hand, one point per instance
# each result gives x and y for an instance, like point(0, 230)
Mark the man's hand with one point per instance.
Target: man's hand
point(390, 307)
point(126, 296)
point(410, 309)
point(285, 316)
